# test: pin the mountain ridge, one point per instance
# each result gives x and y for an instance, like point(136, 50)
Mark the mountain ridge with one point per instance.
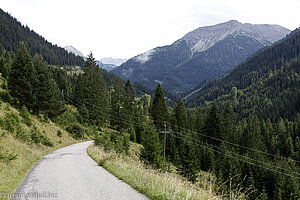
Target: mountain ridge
point(171, 65)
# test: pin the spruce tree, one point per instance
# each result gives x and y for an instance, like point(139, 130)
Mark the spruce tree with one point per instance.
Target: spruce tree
point(129, 101)
point(91, 92)
point(159, 111)
point(212, 125)
point(180, 115)
point(22, 79)
point(48, 95)
point(152, 152)
point(117, 116)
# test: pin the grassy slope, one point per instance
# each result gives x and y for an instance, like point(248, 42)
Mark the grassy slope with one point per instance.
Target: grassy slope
point(152, 183)
point(13, 172)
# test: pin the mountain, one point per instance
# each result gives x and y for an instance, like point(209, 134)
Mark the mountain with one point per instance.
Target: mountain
point(12, 32)
point(267, 85)
point(114, 61)
point(201, 55)
point(107, 67)
point(73, 50)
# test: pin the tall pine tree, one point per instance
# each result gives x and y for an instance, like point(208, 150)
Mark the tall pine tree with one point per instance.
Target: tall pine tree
point(91, 92)
point(22, 80)
point(159, 111)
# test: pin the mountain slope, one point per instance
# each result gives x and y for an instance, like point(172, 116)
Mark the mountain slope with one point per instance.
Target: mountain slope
point(12, 33)
point(114, 61)
point(73, 50)
point(269, 81)
point(202, 54)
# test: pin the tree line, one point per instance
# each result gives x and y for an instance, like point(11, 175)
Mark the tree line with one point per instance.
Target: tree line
point(253, 153)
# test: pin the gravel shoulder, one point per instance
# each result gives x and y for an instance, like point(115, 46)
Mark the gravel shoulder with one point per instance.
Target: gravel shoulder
point(69, 173)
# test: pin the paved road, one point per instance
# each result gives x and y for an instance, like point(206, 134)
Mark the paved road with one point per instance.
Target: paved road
point(69, 173)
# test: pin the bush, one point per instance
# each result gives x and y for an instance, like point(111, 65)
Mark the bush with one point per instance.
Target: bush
point(37, 137)
point(76, 131)
point(59, 133)
point(113, 141)
point(23, 134)
point(10, 122)
point(26, 116)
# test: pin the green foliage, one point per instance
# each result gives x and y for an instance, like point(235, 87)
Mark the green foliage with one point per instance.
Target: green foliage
point(12, 32)
point(151, 154)
point(113, 141)
point(59, 133)
point(11, 120)
point(22, 79)
point(91, 92)
point(48, 96)
point(76, 130)
point(132, 134)
point(23, 135)
point(26, 116)
point(159, 111)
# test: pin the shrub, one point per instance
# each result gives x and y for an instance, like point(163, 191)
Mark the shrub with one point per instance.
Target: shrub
point(23, 134)
point(113, 141)
point(59, 133)
point(35, 135)
point(10, 122)
point(76, 131)
point(26, 116)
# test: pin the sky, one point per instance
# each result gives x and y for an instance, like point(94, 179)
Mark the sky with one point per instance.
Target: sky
point(126, 28)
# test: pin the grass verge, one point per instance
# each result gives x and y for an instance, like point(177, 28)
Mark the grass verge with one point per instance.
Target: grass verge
point(154, 184)
point(13, 172)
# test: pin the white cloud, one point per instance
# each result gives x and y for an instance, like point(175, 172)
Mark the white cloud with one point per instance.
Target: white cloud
point(143, 58)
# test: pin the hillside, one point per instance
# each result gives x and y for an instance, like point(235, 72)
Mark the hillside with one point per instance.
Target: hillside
point(200, 55)
point(13, 32)
point(268, 82)
point(24, 139)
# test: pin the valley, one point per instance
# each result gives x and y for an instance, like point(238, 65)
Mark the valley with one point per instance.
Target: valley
point(214, 115)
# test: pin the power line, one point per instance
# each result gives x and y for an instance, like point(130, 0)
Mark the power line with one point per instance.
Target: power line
point(245, 157)
point(183, 137)
point(234, 144)
point(270, 169)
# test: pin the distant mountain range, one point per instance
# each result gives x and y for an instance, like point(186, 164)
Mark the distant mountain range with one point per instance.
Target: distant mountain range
point(105, 63)
point(201, 55)
point(113, 61)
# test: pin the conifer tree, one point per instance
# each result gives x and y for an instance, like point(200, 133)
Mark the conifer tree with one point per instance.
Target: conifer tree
point(152, 151)
point(48, 95)
point(159, 111)
point(129, 101)
point(117, 105)
point(22, 80)
point(212, 125)
point(91, 91)
point(180, 115)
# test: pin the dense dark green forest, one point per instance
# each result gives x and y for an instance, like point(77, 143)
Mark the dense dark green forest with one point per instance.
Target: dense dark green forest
point(13, 32)
point(247, 150)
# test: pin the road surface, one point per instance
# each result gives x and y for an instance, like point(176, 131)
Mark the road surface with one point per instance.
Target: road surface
point(69, 173)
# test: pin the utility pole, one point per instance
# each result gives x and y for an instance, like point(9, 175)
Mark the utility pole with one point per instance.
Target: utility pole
point(165, 138)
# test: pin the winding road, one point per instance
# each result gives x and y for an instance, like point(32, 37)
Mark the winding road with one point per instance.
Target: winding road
point(69, 173)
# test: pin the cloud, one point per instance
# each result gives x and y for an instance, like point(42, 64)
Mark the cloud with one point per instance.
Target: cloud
point(143, 58)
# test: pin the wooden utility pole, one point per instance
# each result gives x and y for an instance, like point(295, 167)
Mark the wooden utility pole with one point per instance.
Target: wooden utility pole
point(165, 138)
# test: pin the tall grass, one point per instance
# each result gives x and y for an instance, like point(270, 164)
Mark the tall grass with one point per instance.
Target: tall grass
point(155, 184)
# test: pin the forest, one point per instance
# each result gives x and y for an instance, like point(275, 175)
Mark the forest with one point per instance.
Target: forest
point(257, 153)
point(12, 32)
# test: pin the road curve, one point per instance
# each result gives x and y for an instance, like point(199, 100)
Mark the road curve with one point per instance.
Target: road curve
point(69, 173)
